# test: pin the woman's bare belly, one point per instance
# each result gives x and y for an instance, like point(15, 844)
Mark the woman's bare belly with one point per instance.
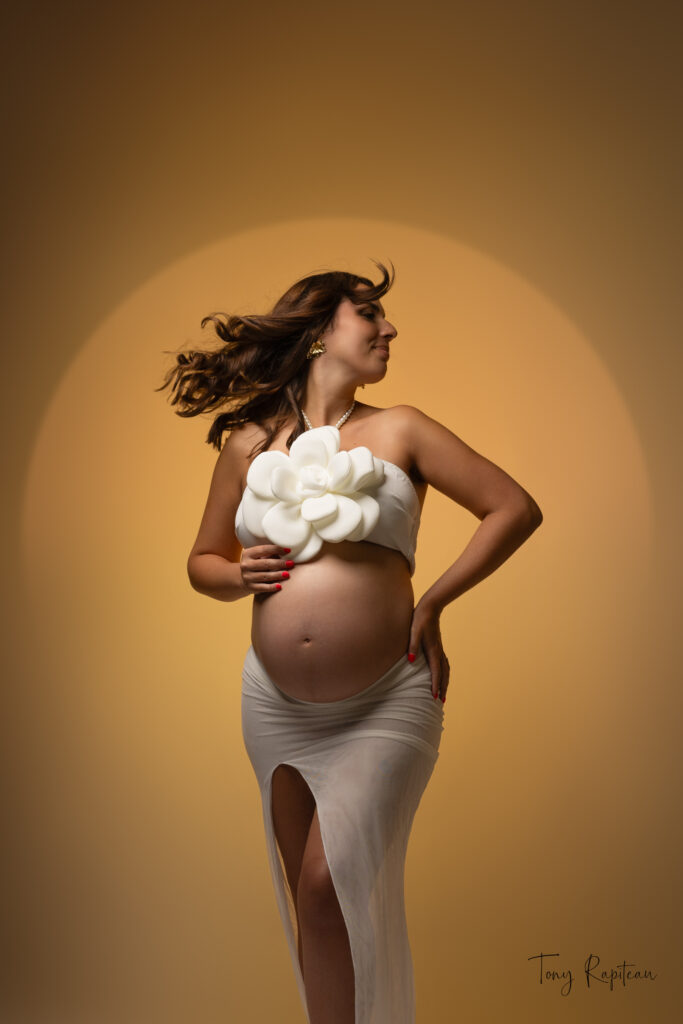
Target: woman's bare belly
point(339, 622)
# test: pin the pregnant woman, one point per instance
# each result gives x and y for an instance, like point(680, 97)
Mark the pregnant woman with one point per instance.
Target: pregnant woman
point(313, 510)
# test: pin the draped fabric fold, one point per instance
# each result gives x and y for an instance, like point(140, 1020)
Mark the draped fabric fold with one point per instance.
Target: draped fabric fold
point(367, 760)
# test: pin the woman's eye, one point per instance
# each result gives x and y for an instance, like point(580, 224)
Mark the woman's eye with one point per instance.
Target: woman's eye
point(368, 314)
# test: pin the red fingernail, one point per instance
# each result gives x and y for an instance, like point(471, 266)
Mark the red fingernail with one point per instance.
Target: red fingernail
point(278, 587)
point(411, 657)
point(286, 550)
point(285, 575)
point(289, 563)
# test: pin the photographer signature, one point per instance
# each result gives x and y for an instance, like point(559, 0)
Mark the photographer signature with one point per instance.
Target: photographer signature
point(619, 974)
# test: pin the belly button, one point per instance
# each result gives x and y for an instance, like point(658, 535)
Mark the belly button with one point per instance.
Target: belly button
point(307, 639)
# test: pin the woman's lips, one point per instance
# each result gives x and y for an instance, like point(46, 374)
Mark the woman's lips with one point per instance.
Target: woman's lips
point(381, 348)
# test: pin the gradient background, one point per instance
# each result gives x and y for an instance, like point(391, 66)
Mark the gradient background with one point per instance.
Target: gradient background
point(521, 167)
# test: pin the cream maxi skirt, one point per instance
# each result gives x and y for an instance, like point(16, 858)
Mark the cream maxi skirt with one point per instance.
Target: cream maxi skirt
point(367, 760)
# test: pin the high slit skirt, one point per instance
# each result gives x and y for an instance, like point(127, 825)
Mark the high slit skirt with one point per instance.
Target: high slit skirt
point(367, 760)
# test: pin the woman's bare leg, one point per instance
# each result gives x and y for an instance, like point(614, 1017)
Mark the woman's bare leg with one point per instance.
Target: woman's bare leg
point(323, 942)
point(292, 809)
point(327, 963)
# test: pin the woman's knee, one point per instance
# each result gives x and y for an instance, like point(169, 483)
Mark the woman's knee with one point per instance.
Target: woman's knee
point(317, 901)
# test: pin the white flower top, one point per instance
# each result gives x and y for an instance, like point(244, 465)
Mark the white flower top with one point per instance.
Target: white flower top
point(316, 493)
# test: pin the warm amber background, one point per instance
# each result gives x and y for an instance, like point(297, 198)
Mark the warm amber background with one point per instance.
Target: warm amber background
point(521, 167)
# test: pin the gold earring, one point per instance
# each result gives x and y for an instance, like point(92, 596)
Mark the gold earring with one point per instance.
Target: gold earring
point(316, 349)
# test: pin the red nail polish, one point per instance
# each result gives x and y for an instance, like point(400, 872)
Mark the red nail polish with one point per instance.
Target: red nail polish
point(278, 586)
point(289, 563)
point(286, 550)
point(285, 575)
point(411, 657)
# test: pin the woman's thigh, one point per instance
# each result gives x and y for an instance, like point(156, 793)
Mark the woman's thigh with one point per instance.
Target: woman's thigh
point(293, 807)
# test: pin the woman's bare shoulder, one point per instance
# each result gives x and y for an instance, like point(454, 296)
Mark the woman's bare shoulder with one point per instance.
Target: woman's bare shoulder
point(418, 428)
point(246, 439)
point(403, 417)
point(235, 454)
point(243, 437)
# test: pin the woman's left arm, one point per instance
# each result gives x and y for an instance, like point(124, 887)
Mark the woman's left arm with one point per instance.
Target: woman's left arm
point(508, 514)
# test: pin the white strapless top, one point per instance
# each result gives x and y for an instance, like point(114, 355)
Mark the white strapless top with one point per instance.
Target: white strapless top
point(319, 493)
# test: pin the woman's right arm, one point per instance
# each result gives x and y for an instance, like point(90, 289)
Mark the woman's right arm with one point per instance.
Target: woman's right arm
point(214, 565)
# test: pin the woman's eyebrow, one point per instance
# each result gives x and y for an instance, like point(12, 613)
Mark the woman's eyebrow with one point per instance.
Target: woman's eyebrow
point(375, 306)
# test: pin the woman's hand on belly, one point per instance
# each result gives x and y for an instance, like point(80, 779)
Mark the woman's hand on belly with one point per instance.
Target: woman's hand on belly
point(263, 568)
point(338, 623)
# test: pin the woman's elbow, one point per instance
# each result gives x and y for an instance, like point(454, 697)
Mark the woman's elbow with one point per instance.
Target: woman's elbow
point(191, 569)
point(532, 513)
point(522, 507)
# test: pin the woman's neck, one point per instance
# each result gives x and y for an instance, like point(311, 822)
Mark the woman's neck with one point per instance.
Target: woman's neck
point(322, 410)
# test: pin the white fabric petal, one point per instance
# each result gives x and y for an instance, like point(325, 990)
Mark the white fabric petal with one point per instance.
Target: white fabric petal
point(320, 510)
point(282, 524)
point(283, 482)
point(379, 469)
point(308, 448)
point(253, 511)
point(246, 538)
point(363, 468)
point(347, 519)
point(331, 438)
point(312, 481)
point(258, 474)
point(340, 469)
point(369, 507)
point(309, 550)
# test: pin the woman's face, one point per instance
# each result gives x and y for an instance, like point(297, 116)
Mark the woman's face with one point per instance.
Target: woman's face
point(361, 336)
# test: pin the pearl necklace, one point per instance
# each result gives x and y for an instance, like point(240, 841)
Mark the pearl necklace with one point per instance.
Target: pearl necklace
point(309, 425)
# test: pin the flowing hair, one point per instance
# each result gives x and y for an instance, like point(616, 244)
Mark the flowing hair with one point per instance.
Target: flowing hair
point(259, 373)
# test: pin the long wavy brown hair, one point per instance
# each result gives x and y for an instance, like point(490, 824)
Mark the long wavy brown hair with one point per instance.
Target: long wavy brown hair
point(259, 373)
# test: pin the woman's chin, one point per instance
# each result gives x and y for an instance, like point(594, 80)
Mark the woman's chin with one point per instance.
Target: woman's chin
point(376, 375)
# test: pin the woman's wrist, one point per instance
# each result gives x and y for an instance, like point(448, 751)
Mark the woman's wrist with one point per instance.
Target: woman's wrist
point(429, 605)
point(217, 577)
